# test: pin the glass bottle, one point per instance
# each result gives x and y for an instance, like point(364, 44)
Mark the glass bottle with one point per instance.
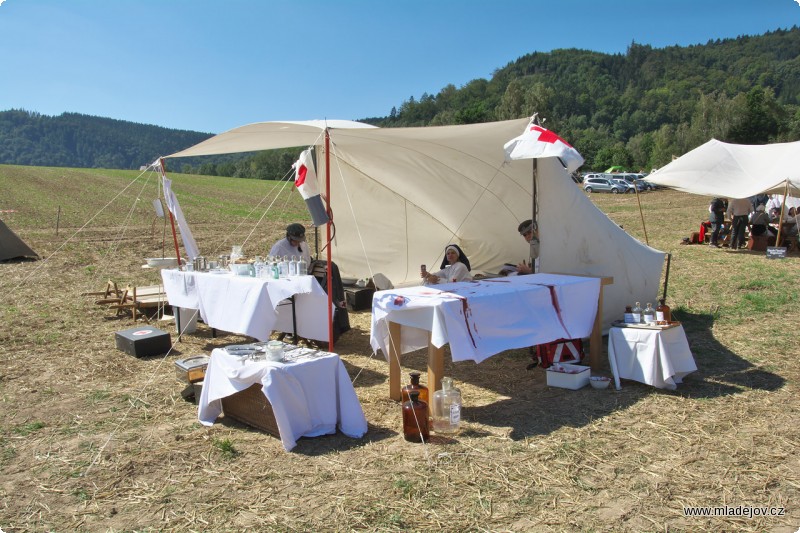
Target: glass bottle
point(649, 314)
point(414, 386)
point(283, 266)
point(628, 314)
point(415, 419)
point(637, 313)
point(446, 408)
point(302, 266)
point(663, 312)
point(293, 266)
point(275, 268)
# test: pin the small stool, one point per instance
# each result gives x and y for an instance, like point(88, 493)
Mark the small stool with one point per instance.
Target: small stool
point(757, 243)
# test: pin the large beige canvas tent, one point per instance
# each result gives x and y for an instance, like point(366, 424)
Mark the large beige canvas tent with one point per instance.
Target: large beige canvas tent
point(734, 170)
point(12, 247)
point(400, 195)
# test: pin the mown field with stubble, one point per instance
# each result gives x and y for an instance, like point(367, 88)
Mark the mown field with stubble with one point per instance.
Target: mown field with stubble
point(92, 439)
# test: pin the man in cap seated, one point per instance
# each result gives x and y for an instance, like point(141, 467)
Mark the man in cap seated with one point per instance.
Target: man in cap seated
point(530, 232)
point(293, 244)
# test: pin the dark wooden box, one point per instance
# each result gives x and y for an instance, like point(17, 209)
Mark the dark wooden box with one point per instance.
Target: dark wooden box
point(143, 341)
point(358, 298)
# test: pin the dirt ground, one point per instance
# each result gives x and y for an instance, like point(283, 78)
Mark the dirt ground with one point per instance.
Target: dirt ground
point(93, 439)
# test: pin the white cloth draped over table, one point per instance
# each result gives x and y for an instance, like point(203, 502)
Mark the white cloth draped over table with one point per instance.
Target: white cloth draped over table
point(309, 397)
point(660, 358)
point(482, 318)
point(249, 306)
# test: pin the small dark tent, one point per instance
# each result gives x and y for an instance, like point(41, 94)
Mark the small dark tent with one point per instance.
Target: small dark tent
point(12, 247)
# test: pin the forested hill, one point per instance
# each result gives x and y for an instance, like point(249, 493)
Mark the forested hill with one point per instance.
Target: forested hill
point(75, 140)
point(637, 109)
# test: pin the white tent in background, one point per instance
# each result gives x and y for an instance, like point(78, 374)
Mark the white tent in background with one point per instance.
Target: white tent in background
point(400, 195)
point(734, 170)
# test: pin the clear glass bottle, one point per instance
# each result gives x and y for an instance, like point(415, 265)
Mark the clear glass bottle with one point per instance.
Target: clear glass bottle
point(275, 268)
point(415, 419)
point(414, 386)
point(637, 313)
point(663, 312)
point(259, 266)
point(302, 266)
point(283, 267)
point(446, 408)
point(293, 266)
point(649, 314)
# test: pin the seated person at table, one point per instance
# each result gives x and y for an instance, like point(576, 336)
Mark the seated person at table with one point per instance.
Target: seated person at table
point(455, 267)
point(529, 232)
point(293, 244)
point(759, 221)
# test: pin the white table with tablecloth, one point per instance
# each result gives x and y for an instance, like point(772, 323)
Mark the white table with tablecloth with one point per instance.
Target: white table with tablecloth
point(250, 306)
point(481, 318)
point(310, 395)
point(657, 357)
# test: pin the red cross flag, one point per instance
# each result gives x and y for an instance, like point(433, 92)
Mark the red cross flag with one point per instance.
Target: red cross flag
point(305, 179)
point(537, 141)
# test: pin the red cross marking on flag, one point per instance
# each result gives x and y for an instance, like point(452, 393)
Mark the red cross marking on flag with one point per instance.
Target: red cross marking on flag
point(301, 176)
point(548, 136)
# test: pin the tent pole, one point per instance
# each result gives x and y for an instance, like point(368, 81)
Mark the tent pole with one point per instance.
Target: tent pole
point(780, 220)
point(328, 226)
point(534, 212)
point(171, 219)
point(641, 214)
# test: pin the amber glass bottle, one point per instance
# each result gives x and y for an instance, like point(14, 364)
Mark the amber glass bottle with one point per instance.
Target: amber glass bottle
point(663, 312)
point(422, 389)
point(415, 419)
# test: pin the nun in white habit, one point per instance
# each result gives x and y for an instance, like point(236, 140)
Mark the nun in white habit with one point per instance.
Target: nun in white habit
point(455, 267)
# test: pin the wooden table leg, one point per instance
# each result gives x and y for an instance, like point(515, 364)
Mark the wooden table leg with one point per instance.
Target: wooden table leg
point(435, 367)
point(394, 361)
point(596, 338)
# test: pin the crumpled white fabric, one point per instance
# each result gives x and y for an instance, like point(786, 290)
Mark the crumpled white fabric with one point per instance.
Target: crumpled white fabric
point(309, 397)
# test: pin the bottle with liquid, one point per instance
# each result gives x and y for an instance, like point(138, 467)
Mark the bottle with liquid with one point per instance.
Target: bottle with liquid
point(415, 419)
point(628, 315)
point(259, 266)
point(302, 266)
point(274, 268)
point(414, 386)
point(663, 312)
point(446, 408)
point(649, 314)
point(293, 266)
point(283, 267)
point(637, 313)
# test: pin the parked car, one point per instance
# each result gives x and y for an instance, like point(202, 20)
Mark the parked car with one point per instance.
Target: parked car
point(602, 185)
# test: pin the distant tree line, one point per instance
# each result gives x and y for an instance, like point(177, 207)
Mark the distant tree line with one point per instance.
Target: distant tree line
point(636, 110)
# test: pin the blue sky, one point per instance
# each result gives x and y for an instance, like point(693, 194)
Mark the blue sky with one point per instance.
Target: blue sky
point(213, 65)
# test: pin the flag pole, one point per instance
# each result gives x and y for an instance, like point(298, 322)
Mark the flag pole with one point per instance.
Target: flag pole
point(780, 220)
point(641, 214)
point(328, 227)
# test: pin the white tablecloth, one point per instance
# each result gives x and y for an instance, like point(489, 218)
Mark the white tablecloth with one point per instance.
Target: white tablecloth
point(481, 318)
point(249, 306)
point(660, 358)
point(309, 397)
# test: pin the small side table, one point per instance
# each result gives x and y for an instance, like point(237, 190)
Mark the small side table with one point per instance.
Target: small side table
point(657, 357)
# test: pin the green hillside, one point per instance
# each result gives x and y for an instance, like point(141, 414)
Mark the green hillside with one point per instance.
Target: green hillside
point(637, 109)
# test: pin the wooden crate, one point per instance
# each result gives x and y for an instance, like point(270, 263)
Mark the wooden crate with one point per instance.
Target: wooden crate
point(251, 407)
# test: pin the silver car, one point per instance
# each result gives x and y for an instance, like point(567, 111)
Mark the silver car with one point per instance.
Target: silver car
point(602, 185)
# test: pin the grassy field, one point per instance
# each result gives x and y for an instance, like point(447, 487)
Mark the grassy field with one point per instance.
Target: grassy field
point(95, 440)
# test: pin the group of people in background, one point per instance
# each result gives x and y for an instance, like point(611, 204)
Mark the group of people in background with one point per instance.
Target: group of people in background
point(758, 215)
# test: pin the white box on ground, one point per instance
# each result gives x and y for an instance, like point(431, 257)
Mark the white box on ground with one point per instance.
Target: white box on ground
point(188, 320)
point(575, 377)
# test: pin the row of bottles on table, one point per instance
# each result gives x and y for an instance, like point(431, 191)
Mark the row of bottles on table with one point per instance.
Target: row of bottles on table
point(280, 267)
point(648, 315)
point(443, 413)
